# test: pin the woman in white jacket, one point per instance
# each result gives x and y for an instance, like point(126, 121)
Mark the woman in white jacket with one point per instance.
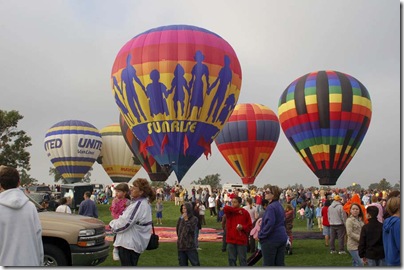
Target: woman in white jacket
point(133, 227)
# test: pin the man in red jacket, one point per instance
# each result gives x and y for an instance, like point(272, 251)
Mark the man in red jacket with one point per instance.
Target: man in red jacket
point(238, 227)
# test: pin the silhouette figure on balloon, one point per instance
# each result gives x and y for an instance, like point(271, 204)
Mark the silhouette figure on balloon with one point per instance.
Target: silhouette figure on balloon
point(196, 83)
point(225, 77)
point(179, 85)
point(229, 105)
point(127, 76)
point(155, 92)
point(118, 101)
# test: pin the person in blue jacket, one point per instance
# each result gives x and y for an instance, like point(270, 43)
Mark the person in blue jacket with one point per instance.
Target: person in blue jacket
point(272, 235)
point(391, 233)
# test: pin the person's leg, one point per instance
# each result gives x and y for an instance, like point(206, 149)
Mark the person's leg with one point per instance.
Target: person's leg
point(268, 254)
point(196, 237)
point(280, 254)
point(193, 257)
point(242, 254)
point(182, 258)
point(333, 233)
point(224, 244)
point(128, 257)
point(232, 254)
point(371, 262)
point(356, 260)
point(341, 232)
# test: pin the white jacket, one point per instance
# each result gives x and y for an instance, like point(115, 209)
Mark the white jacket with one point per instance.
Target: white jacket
point(20, 230)
point(129, 229)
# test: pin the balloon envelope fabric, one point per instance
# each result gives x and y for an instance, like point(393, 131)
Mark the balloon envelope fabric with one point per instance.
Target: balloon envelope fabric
point(155, 171)
point(116, 158)
point(325, 116)
point(248, 139)
point(176, 86)
point(73, 146)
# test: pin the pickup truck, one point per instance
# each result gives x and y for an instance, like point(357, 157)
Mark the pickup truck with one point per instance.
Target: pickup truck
point(44, 189)
point(72, 240)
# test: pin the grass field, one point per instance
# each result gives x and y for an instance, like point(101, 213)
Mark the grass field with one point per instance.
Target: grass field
point(306, 252)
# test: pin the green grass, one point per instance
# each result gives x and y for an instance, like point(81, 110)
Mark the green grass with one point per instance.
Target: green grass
point(307, 252)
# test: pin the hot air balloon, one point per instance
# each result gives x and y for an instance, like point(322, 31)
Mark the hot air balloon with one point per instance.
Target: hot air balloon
point(248, 139)
point(176, 86)
point(73, 146)
point(116, 158)
point(155, 171)
point(325, 116)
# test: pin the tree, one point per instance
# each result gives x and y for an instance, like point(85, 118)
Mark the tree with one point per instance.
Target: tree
point(58, 177)
point(13, 144)
point(213, 180)
point(384, 184)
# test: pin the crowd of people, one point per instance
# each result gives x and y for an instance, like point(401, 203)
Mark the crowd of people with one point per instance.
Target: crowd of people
point(257, 221)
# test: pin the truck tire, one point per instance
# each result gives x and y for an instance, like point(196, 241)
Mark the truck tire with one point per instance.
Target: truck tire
point(54, 256)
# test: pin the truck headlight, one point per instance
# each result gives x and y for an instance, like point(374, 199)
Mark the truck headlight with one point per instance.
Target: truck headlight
point(87, 232)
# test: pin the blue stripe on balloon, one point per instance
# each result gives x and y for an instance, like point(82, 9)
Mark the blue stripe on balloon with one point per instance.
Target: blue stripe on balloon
point(178, 27)
point(73, 169)
point(81, 159)
point(73, 131)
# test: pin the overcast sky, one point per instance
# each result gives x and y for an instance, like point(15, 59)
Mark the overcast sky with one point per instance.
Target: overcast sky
point(56, 59)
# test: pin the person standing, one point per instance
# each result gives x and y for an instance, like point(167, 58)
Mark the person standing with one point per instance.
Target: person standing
point(118, 205)
point(238, 227)
point(371, 239)
point(212, 205)
point(319, 216)
point(186, 245)
point(159, 211)
point(337, 218)
point(133, 227)
point(309, 214)
point(87, 206)
point(21, 230)
point(391, 233)
point(354, 226)
point(326, 223)
point(272, 235)
point(63, 207)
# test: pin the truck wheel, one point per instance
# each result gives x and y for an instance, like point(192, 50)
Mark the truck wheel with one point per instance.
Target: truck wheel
point(54, 256)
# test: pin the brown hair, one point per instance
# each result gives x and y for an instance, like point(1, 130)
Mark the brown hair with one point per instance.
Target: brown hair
point(360, 209)
point(288, 207)
point(275, 191)
point(125, 188)
point(9, 177)
point(144, 186)
point(393, 205)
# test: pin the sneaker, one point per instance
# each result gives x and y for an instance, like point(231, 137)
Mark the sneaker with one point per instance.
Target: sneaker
point(115, 255)
point(333, 252)
point(341, 252)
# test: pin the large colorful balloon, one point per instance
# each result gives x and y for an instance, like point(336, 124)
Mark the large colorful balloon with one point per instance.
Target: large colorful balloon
point(155, 171)
point(116, 158)
point(325, 116)
point(73, 146)
point(248, 139)
point(176, 86)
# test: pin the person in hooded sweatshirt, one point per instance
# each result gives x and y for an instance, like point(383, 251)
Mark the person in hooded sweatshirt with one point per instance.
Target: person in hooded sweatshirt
point(391, 233)
point(21, 231)
point(186, 244)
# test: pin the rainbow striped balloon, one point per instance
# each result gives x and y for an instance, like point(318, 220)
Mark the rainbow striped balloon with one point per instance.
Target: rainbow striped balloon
point(248, 139)
point(325, 116)
point(176, 86)
point(73, 146)
point(116, 158)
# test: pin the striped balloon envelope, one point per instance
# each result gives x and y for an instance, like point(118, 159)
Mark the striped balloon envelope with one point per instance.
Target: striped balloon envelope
point(116, 158)
point(176, 86)
point(325, 116)
point(155, 171)
point(73, 146)
point(248, 139)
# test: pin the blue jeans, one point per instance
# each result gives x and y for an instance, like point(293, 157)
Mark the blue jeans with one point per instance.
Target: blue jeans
point(376, 262)
point(191, 255)
point(273, 253)
point(356, 260)
point(235, 251)
point(196, 237)
point(309, 224)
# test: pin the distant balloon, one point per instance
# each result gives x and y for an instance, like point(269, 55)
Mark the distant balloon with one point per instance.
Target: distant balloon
point(248, 139)
point(73, 146)
point(176, 86)
point(325, 116)
point(116, 158)
point(155, 171)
